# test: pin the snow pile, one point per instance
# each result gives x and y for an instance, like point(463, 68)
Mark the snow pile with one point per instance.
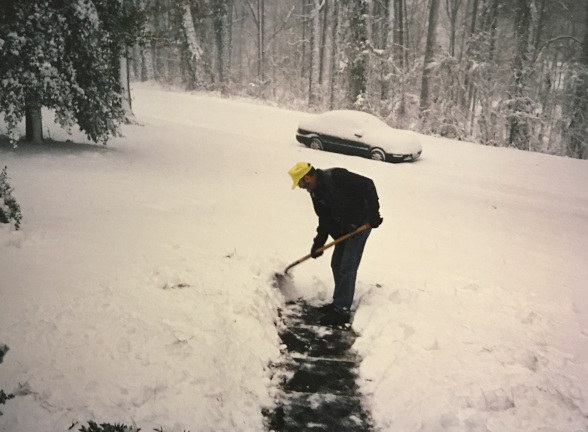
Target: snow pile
point(138, 286)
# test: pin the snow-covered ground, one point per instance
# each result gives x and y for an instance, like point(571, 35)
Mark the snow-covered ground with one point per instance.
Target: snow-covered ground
point(138, 288)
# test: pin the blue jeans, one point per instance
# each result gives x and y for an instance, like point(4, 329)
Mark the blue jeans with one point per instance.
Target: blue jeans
point(344, 263)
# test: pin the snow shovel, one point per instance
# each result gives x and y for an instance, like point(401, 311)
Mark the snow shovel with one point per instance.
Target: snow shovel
point(280, 277)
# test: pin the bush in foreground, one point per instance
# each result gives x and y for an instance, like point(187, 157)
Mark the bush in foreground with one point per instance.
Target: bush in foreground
point(106, 427)
point(9, 208)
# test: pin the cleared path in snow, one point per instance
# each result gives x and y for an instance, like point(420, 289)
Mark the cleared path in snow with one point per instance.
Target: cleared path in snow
point(317, 376)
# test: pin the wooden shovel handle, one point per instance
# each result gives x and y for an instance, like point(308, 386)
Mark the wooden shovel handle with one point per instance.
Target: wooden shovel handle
point(328, 245)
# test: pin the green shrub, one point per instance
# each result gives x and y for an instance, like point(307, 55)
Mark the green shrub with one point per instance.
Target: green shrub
point(105, 427)
point(3, 396)
point(9, 208)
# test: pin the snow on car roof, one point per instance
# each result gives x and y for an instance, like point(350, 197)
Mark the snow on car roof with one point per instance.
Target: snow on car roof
point(358, 116)
point(331, 121)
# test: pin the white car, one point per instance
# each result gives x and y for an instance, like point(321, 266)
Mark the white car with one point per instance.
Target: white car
point(360, 134)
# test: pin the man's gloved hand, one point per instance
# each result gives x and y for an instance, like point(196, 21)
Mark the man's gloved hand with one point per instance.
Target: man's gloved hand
point(313, 252)
point(376, 220)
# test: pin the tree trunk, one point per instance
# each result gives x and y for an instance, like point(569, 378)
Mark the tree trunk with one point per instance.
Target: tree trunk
point(452, 7)
point(399, 44)
point(323, 43)
point(261, 42)
point(240, 20)
point(147, 69)
point(387, 43)
point(357, 68)
point(126, 85)
point(135, 70)
point(194, 50)
point(577, 146)
point(429, 58)
point(539, 30)
point(34, 124)
point(160, 52)
point(313, 81)
point(144, 51)
point(467, 87)
point(518, 124)
point(222, 38)
point(482, 88)
point(334, 54)
point(304, 6)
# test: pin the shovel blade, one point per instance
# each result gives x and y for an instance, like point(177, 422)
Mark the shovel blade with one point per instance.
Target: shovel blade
point(281, 280)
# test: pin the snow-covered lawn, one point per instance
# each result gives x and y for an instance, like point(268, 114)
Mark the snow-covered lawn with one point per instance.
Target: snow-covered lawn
point(138, 288)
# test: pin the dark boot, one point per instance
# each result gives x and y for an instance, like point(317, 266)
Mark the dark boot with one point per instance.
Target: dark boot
point(335, 318)
point(326, 308)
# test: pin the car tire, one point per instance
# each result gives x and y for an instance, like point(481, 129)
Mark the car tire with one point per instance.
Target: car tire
point(316, 144)
point(378, 154)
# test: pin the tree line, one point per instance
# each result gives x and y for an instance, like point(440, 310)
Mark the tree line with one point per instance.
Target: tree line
point(510, 73)
point(499, 72)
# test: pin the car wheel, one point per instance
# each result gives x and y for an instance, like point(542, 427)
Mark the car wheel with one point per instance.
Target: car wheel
point(378, 154)
point(316, 144)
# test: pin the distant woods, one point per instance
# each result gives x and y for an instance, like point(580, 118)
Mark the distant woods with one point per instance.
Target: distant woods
point(510, 73)
point(499, 72)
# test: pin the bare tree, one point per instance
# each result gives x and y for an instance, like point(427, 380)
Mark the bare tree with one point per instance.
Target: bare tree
point(221, 11)
point(386, 43)
point(452, 9)
point(429, 57)
point(399, 34)
point(142, 51)
point(324, 26)
point(578, 127)
point(257, 12)
point(161, 20)
point(479, 83)
point(357, 59)
point(313, 82)
point(334, 54)
point(194, 50)
point(518, 121)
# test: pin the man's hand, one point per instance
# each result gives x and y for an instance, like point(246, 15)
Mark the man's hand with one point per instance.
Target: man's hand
point(313, 250)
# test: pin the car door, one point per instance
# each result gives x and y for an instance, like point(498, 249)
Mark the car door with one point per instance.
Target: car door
point(349, 139)
point(357, 145)
point(335, 132)
point(354, 142)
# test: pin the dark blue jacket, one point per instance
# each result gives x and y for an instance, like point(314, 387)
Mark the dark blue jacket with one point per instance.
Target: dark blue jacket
point(343, 201)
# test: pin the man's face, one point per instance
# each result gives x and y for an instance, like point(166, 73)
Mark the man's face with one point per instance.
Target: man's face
point(308, 183)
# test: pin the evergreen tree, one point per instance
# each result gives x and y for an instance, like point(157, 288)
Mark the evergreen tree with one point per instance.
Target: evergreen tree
point(63, 55)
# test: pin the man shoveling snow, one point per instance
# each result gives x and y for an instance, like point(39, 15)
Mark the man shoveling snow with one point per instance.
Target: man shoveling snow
point(343, 202)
